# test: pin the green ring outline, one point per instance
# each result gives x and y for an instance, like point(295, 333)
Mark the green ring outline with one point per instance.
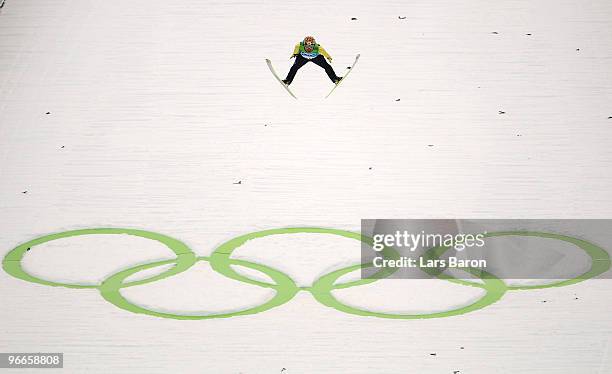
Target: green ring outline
point(600, 259)
point(285, 291)
point(495, 289)
point(224, 251)
point(185, 258)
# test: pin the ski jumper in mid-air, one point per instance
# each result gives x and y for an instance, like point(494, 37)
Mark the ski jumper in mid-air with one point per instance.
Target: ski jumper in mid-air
point(306, 51)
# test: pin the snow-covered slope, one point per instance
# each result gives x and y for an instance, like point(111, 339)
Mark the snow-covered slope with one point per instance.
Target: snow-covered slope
point(162, 115)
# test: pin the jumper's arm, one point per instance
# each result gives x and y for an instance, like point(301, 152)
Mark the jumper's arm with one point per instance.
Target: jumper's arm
point(296, 50)
point(324, 53)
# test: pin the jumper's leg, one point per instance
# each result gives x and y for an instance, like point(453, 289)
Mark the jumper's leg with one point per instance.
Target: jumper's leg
point(299, 62)
point(320, 60)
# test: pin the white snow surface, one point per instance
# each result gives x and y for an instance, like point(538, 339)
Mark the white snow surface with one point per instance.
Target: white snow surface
point(157, 109)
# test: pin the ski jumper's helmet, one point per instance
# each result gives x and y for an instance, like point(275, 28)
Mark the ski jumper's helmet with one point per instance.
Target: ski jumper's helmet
point(309, 43)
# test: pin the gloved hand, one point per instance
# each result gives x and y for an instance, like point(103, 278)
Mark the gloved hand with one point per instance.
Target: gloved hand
point(292, 56)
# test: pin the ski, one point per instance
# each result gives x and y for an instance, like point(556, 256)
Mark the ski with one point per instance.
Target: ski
point(348, 71)
point(278, 79)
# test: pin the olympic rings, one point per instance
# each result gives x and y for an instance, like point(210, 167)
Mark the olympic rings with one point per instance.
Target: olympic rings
point(285, 288)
